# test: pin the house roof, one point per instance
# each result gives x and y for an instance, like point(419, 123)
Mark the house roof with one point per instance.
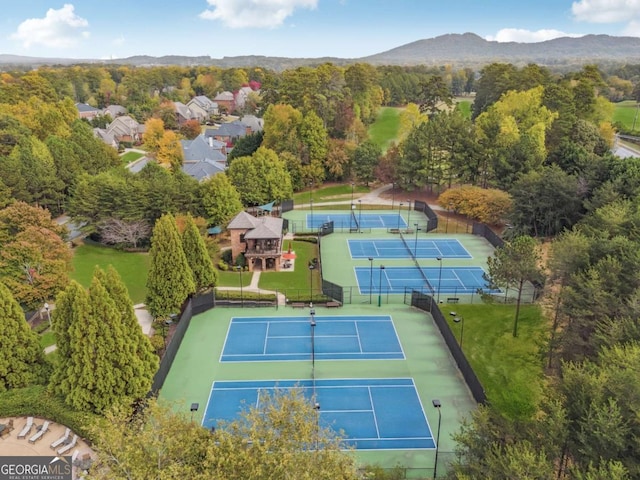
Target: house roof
point(84, 108)
point(204, 102)
point(124, 125)
point(203, 169)
point(233, 130)
point(269, 227)
point(263, 227)
point(224, 97)
point(254, 123)
point(105, 136)
point(184, 111)
point(201, 148)
point(115, 110)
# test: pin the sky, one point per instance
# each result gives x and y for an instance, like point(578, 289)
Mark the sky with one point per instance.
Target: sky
point(91, 29)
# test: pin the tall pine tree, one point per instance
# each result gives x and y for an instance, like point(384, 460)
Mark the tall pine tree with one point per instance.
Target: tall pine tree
point(22, 360)
point(108, 360)
point(170, 279)
point(204, 273)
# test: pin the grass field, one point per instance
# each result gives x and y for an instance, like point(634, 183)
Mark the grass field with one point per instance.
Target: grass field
point(300, 277)
point(465, 106)
point(625, 114)
point(131, 157)
point(510, 369)
point(330, 193)
point(385, 129)
point(132, 267)
point(47, 338)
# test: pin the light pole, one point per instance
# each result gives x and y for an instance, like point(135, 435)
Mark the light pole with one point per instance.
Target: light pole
point(239, 268)
point(312, 312)
point(316, 407)
point(370, 278)
point(46, 308)
point(415, 244)
point(460, 320)
point(446, 228)
point(353, 184)
point(409, 212)
point(399, 214)
point(194, 408)
point(311, 268)
point(380, 286)
point(311, 204)
point(359, 215)
point(393, 194)
point(436, 403)
point(439, 278)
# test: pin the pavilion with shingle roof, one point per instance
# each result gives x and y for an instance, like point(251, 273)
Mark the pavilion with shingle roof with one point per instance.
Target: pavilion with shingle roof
point(259, 239)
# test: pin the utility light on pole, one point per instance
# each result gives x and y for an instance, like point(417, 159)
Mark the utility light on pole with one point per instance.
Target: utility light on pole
point(408, 212)
point(311, 268)
point(239, 268)
point(370, 278)
point(439, 278)
point(380, 286)
point(415, 244)
point(399, 214)
point(359, 215)
point(460, 320)
point(46, 308)
point(436, 403)
point(312, 312)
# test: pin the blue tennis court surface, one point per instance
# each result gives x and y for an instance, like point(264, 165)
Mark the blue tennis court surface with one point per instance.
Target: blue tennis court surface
point(395, 248)
point(364, 220)
point(339, 337)
point(461, 280)
point(374, 414)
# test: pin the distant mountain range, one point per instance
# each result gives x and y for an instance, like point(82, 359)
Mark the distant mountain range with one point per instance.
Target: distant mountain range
point(459, 50)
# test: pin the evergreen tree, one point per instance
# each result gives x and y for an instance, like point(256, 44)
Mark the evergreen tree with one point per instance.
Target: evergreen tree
point(22, 361)
point(204, 273)
point(170, 279)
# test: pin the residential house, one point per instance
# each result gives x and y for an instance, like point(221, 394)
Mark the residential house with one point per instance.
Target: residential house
point(125, 129)
point(241, 97)
point(203, 108)
point(228, 133)
point(106, 137)
point(114, 111)
point(259, 239)
point(87, 112)
point(254, 123)
point(203, 157)
point(225, 101)
point(183, 113)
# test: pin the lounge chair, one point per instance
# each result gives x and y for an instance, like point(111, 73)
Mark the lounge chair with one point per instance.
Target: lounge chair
point(41, 430)
point(68, 446)
point(62, 439)
point(26, 429)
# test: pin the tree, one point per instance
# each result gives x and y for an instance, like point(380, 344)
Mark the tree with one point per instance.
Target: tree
point(22, 361)
point(246, 146)
point(281, 129)
point(278, 439)
point(170, 279)
point(120, 232)
point(261, 178)
point(169, 152)
point(486, 205)
point(515, 263)
point(365, 160)
point(204, 273)
point(190, 129)
point(153, 132)
point(109, 361)
point(220, 199)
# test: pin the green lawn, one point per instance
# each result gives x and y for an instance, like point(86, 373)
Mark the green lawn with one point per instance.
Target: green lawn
point(465, 107)
point(131, 157)
point(625, 114)
point(47, 338)
point(298, 280)
point(132, 267)
point(510, 369)
point(330, 193)
point(385, 129)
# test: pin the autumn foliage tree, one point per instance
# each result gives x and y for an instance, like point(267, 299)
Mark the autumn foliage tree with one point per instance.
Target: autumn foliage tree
point(486, 205)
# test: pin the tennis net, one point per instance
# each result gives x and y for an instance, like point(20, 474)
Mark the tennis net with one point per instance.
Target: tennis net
point(415, 261)
point(355, 221)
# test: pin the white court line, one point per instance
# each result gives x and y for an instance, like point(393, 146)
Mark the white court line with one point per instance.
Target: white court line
point(266, 338)
point(355, 324)
point(375, 418)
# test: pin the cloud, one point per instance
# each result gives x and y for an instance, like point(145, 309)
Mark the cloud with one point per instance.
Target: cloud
point(254, 13)
point(58, 29)
point(527, 36)
point(118, 41)
point(606, 11)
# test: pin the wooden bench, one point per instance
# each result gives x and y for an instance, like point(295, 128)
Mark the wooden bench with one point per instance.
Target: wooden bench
point(394, 230)
point(298, 305)
point(333, 304)
point(453, 300)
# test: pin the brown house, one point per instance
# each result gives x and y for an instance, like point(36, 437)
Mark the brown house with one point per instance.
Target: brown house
point(260, 239)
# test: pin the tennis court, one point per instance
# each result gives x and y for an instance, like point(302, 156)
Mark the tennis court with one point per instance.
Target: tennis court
point(396, 248)
point(459, 280)
point(374, 414)
point(355, 220)
point(339, 337)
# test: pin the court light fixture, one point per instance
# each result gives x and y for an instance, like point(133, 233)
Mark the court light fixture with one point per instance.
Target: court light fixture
point(436, 403)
